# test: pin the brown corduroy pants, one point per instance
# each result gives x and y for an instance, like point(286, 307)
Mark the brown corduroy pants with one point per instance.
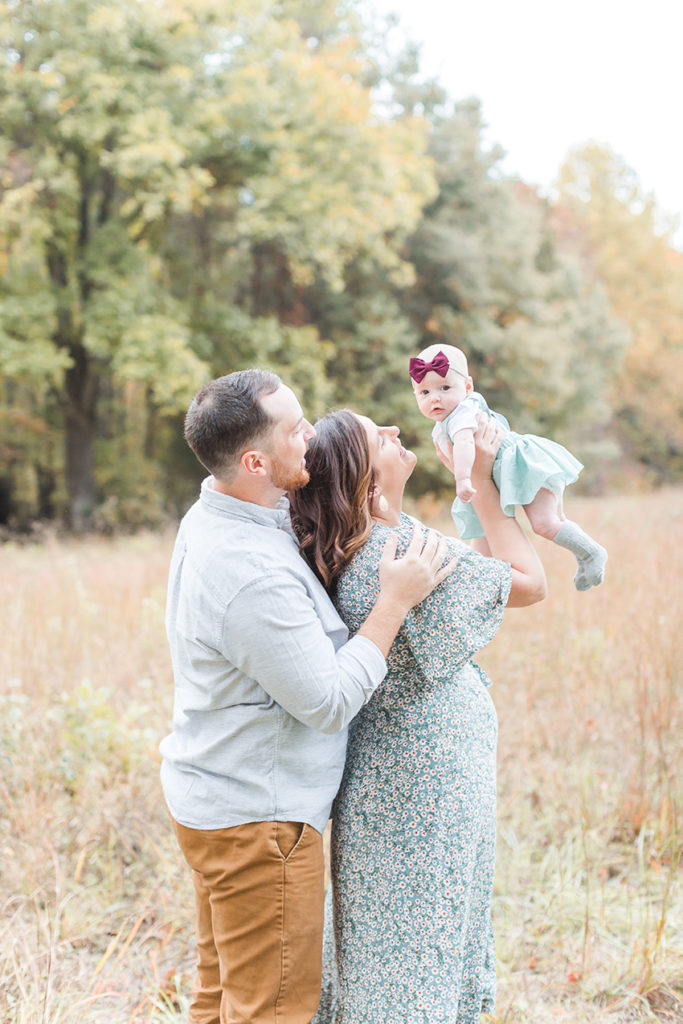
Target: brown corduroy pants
point(259, 894)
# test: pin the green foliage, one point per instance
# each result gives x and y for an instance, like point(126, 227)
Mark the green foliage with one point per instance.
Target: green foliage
point(159, 162)
point(96, 109)
point(85, 739)
point(189, 187)
point(93, 737)
point(490, 277)
point(540, 340)
point(623, 238)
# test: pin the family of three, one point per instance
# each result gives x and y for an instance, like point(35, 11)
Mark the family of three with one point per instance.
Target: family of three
point(322, 645)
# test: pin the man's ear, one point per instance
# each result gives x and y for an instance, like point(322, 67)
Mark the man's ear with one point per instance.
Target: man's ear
point(254, 462)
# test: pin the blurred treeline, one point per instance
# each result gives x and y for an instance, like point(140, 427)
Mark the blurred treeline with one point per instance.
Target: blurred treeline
point(188, 187)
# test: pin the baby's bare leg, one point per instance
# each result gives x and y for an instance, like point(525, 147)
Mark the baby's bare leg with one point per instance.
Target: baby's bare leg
point(481, 545)
point(545, 514)
point(548, 520)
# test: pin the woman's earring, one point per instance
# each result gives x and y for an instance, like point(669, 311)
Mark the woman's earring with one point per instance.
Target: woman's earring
point(382, 504)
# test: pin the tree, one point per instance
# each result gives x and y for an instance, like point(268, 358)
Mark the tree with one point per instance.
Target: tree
point(174, 175)
point(95, 104)
point(605, 214)
point(541, 343)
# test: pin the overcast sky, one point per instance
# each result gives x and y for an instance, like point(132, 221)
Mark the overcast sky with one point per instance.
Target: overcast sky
point(551, 75)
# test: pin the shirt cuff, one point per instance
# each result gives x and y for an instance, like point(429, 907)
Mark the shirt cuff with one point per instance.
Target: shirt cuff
point(371, 657)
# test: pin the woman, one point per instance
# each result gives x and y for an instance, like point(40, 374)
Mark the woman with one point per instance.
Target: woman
point(408, 932)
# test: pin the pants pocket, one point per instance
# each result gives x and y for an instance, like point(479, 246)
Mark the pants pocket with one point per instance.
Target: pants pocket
point(287, 836)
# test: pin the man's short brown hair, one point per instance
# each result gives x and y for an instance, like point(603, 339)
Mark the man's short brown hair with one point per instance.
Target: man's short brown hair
point(226, 418)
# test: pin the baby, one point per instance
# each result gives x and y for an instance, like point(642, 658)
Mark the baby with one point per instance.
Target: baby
point(529, 471)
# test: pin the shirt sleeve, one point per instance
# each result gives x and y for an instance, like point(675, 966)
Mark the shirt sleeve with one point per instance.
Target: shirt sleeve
point(463, 417)
point(273, 634)
point(441, 438)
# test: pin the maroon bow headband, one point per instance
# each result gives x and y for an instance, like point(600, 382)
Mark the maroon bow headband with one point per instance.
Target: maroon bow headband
point(417, 368)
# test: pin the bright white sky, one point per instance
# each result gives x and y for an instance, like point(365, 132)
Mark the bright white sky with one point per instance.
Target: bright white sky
point(552, 74)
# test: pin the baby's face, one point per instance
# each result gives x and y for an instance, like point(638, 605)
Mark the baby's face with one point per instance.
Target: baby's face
point(438, 396)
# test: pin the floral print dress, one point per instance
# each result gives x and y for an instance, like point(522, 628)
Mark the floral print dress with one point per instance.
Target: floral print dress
point(408, 937)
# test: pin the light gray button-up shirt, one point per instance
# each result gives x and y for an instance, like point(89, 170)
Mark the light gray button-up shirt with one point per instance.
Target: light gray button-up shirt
point(266, 680)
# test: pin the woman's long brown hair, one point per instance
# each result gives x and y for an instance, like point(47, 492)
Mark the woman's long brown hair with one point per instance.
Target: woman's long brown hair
point(331, 514)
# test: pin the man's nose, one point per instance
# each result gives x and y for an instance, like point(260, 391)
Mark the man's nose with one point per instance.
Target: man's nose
point(309, 431)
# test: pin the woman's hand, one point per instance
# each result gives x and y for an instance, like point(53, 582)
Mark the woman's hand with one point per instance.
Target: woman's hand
point(504, 537)
point(447, 459)
point(487, 440)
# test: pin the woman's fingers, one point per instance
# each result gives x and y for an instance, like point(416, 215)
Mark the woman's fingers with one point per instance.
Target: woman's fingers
point(488, 433)
point(446, 459)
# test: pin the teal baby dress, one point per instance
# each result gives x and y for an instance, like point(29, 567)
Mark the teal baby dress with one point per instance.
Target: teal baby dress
point(524, 464)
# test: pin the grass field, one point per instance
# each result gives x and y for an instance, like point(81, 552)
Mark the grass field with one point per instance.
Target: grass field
point(97, 907)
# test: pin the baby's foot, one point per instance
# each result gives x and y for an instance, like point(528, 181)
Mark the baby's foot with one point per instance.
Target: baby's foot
point(591, 570)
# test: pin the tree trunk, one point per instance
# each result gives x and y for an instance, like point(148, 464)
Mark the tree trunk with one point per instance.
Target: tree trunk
point(81, 388)
point(80, 385)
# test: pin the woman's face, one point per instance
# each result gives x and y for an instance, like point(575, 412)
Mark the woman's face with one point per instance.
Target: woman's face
point(391, 462)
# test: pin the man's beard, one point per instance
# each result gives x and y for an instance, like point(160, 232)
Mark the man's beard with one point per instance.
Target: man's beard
point(285, 480)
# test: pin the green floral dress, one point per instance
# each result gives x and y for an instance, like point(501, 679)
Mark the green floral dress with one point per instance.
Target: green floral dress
point(408, 936)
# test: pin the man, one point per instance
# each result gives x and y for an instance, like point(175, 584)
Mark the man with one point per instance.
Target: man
point(266, 682)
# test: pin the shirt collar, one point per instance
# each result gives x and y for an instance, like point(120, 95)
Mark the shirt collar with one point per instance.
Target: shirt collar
point(226, 505)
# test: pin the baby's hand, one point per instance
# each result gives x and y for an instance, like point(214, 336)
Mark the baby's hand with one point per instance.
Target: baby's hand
point(464, 489)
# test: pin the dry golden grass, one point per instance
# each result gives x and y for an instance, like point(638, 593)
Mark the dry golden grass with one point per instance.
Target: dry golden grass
point(97, 906)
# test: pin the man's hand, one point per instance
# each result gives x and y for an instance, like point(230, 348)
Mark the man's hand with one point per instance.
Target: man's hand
point(408, 580)
point(404, 582)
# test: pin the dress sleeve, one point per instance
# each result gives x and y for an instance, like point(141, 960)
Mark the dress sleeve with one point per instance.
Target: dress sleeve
point(358, 587)
point(460, 617)
point(457, 619)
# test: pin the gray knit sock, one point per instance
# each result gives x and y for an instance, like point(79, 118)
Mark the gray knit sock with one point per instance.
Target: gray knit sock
point(591, 557)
